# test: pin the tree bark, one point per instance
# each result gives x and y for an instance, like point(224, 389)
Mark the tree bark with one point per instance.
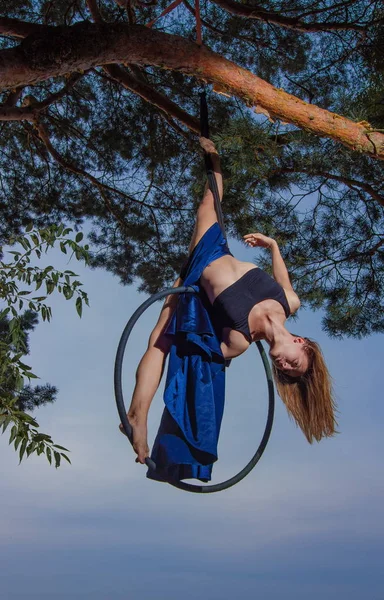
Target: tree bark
point(61, 50)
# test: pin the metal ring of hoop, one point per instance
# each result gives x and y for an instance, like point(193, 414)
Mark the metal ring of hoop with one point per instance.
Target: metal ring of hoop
point(188, 487)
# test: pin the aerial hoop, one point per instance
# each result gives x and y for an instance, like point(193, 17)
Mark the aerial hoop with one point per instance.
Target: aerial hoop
point(188, 487)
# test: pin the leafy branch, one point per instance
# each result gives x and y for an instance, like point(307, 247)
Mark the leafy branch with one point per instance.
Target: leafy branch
point(25, 435)
point(14, 274)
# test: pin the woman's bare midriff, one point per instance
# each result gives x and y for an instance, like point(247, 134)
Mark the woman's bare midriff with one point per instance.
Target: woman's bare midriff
point(219, 275)
point(222, 273)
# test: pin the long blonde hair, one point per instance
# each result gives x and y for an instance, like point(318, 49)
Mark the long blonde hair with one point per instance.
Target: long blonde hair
point(309, 398)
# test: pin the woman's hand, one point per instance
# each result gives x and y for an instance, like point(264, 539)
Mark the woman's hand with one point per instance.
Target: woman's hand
point(258, 239)
point(207, 145)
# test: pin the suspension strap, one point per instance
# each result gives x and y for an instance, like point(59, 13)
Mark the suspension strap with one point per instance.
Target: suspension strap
point(204, 124)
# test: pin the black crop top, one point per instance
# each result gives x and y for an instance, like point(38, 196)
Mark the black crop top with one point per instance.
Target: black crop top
point(233, 305)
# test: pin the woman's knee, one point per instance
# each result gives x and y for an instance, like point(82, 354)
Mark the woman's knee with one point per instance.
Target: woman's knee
point(157, 338)
point(206, 208)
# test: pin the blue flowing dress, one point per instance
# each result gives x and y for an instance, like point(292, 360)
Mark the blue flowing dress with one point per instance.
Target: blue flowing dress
point(186, 443)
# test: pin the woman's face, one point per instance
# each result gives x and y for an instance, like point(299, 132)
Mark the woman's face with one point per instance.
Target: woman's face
point(290, 357)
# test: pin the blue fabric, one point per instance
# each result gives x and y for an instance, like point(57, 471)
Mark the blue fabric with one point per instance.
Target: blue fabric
point(186, 443)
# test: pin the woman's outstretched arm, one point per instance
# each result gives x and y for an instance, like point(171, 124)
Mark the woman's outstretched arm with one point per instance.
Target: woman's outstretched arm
point(280, 272)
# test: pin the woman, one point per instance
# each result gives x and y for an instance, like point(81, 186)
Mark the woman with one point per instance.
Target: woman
point(247, 305)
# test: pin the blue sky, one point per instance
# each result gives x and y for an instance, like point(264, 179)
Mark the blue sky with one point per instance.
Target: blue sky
point(307, 522)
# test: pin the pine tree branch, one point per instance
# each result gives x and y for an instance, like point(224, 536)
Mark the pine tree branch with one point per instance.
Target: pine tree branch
point(31, 108)
point(83, 45)
point(138, 84)
point(243, 38)
point(351, 183)
point(369, 252)
point(20, 29)
point(317, 11)
point(95, 11)
point(295, 23)
point(166, 106)
point(44, 137)
point(149, 94)
point(13, 97)
point(102, 188)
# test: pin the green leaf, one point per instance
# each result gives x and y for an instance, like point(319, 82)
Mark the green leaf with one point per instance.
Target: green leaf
point(60, 447)
point(22, 448)
point(79, 306)
point(18, 440)
point(4, 313)
point(24, 367)
point(66, 457)
point(7, 422)
point(57, 459)
point(12, 324)
point(28, 419)
point(40, 437)
point(29, 227)
point(25, 243)
point(63, 248)
point(31, 447)
point(79, 237)
point(50, 286)
point(49, 454)
point(31, 376)
point(68, 292)
point(14, 431)
point(19, 382)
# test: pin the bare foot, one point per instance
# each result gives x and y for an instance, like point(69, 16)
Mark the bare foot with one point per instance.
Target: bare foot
point(139, 435)
point(207, 145)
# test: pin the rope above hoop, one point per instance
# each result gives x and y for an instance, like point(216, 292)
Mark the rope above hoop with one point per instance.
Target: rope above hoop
point(208, 162)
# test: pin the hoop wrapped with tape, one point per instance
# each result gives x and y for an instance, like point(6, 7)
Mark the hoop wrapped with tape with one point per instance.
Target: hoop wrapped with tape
point(186, 444)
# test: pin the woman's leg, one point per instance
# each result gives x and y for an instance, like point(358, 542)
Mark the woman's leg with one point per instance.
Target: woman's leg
point(206, 214)
point(148, 377)
point(151, 366)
